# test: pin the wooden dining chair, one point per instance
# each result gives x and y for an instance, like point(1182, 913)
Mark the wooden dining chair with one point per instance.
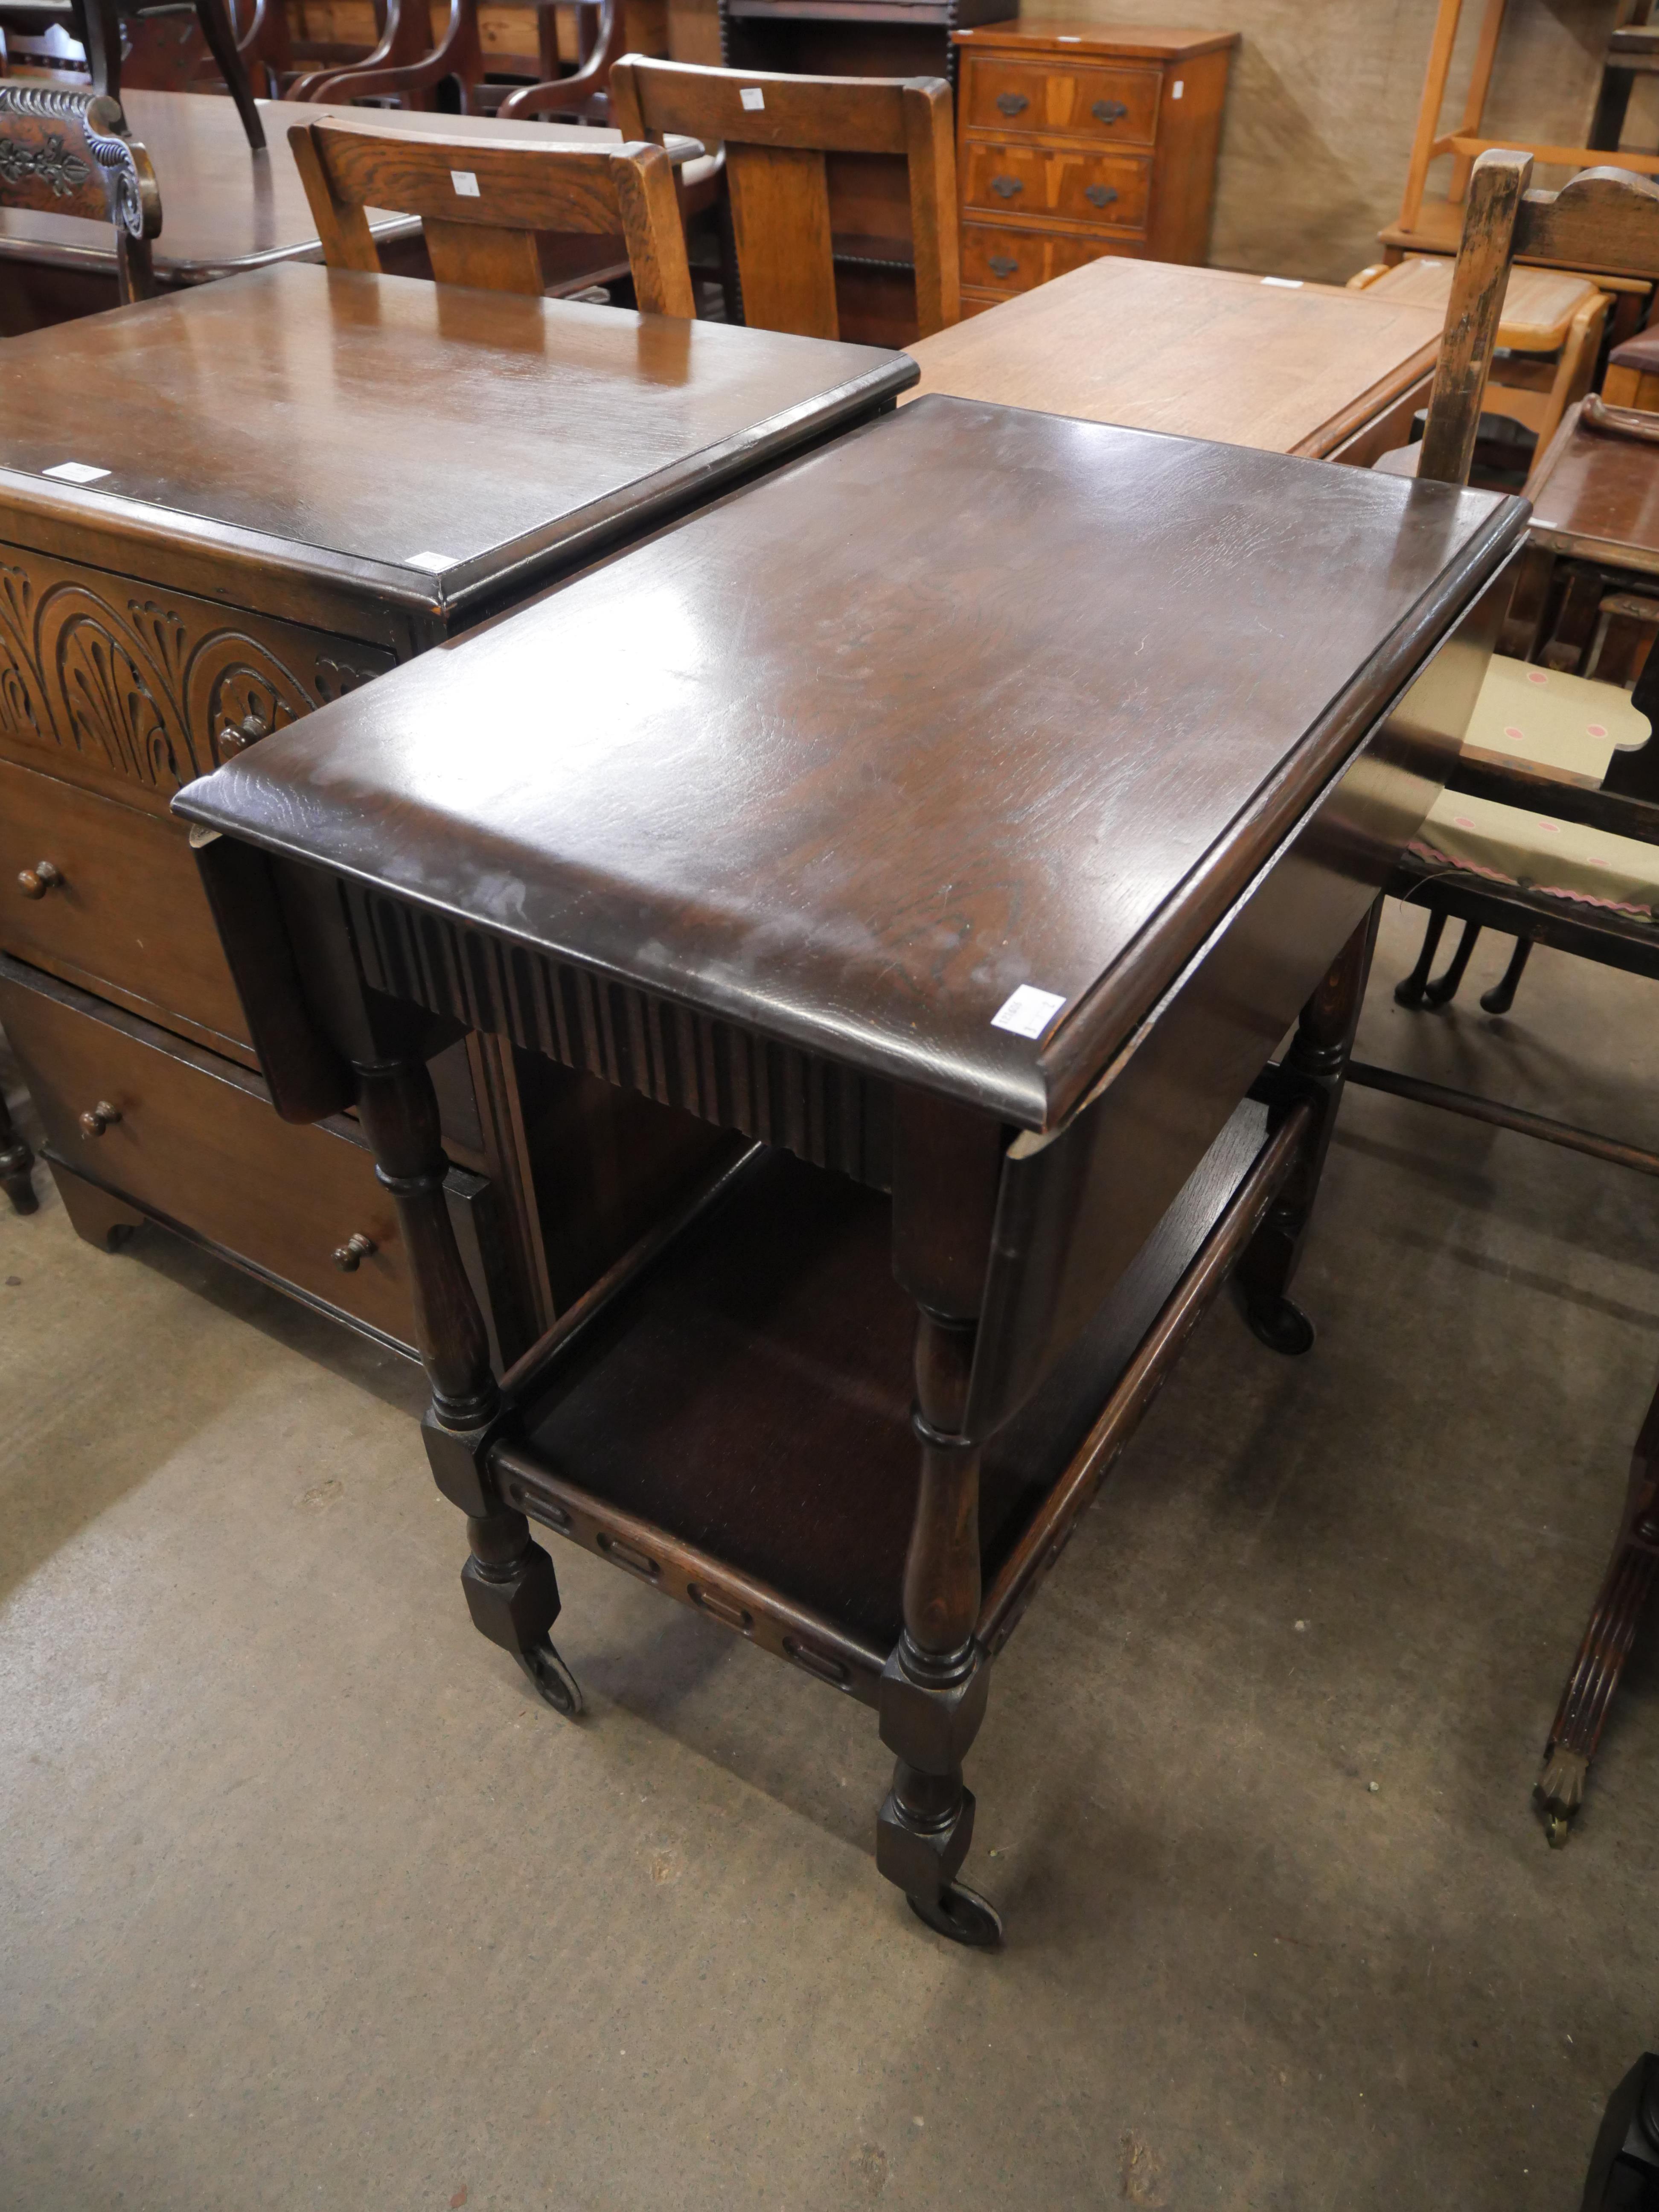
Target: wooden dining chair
point(98, 27)
point(67, 152)
point(1531, 848)
point(482, 204)
point(789, 142)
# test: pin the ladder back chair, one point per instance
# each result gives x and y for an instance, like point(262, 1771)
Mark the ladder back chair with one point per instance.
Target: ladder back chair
point(68, 152)
point(482, 205)
point(1506, 846)
point(781, 136)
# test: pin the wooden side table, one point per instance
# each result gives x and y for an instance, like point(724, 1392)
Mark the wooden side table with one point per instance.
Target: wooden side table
point(1073, 143)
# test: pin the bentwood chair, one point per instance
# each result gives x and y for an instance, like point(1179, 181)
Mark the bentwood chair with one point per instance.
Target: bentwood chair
point(406, 69)
point(798, 150)
point(97, 25)
point(481, 205)
point(1539, 848)
point(64, 151)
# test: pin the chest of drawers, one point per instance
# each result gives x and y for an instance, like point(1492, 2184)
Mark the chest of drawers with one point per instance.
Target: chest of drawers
point(1074, 143)
point(219, 511)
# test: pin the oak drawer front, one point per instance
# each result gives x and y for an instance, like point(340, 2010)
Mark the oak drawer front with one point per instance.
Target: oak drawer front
point(1116, 104)
point(133, 687)
point(1026, 180)
point(117, 902)
point(195, 1144)
point(1008, 261)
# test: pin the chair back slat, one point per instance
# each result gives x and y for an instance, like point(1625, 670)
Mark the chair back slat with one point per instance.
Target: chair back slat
point(1606, 219)
point(1603, 219)
point(776, 131)
point(481, 205)
point(780, 228)
point(67, 152)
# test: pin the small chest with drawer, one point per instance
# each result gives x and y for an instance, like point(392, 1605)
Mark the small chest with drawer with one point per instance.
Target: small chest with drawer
point(1073, 143)
point(220, 511)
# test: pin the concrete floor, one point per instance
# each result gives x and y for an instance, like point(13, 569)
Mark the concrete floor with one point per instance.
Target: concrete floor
point(305, 1903)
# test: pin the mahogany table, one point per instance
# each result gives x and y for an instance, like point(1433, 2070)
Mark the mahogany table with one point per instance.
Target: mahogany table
point(226, 208)
point(982, 798)
point(218, 510)
point(1295, 369)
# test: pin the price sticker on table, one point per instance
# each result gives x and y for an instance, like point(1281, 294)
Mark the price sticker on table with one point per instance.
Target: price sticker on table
point(1027, 1011)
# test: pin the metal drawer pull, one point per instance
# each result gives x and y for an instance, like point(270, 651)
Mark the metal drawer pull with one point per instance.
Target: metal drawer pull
point(99, 1118)
point(1108, 111)
point(1099, 195)
point(1005, 187)
point(1001, 266)
point(34, 882)
point(350, 1255)
point(1012, 103)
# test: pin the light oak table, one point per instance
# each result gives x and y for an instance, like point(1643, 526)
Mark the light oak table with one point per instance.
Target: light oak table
point(1292, 369)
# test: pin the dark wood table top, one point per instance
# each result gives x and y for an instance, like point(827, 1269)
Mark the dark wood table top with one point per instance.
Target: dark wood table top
point(1598, 496)
point(225, 208)
point(971, 700)
point(346, 425)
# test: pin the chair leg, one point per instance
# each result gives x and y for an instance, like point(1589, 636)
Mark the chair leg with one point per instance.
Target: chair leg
point(1408, 990)
point(1619, 1604)
point(1501, 997)
point(214, 16)
point(1443, 989)
point(16, 1161)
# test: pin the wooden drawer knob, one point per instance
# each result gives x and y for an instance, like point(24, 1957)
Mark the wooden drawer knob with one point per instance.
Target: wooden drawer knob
point(236, 737)
point(95, 1123)
point(34, 882)
point(350, 1255)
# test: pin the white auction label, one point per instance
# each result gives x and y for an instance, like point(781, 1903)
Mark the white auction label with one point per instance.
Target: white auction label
point(465, 183)
point(75, 473)
point(434, 563)
point(752, 96)
point(1176, 89)
point(1027, 1011)
point(1285, 284)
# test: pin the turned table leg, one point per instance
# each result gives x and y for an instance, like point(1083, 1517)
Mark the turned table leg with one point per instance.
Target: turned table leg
point(934, 1686)
point(1317, 1064)
point(16, 1162)
point(1619, 1604)
point(511, 1592)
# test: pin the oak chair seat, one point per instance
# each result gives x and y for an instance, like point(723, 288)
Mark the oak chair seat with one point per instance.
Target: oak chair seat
point(1545, 312)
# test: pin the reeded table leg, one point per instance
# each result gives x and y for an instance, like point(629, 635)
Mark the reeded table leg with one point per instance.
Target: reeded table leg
point(511, 1592)
point(934, 1686)
point(16, 1162)
point(1318, 1060)
point(1619, 1604)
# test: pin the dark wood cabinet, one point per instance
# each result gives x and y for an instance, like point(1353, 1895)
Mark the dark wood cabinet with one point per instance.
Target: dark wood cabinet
point(279, 488)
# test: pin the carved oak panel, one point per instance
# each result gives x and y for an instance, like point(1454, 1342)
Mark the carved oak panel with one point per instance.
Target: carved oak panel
point(148, 688)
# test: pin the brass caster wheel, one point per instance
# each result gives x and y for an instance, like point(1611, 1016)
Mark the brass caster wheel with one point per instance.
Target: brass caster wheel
point(1282, 1327)
point(554, 1682)
point(963, 1915)
point(1557, 1827)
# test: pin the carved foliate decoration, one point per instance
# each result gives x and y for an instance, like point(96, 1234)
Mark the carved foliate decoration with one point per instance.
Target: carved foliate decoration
point(155, 691)
point(63, 174)
point(91, 125)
